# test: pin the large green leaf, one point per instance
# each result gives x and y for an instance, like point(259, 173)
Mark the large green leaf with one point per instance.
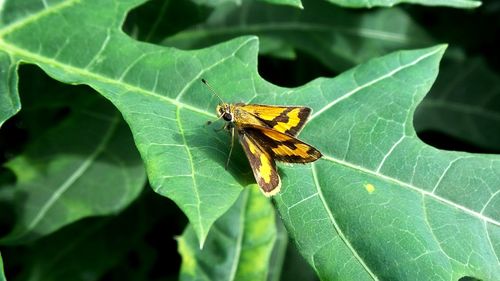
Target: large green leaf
point(337, 37)
point(238, 246)
point(82, 167)
point(156, 89)
point(381, 204)
point(465, 103)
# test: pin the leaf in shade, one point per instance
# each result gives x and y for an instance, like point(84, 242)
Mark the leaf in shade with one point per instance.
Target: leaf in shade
point(467, 4)
point(464, 103)
point(83, 167)
point(292, 3)
point(85, 250)
point(238, 246)
point(337, 37)
point(2, 276)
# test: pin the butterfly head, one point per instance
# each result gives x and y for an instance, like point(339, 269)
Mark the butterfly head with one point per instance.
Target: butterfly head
point(224, 112)
point(223, 109)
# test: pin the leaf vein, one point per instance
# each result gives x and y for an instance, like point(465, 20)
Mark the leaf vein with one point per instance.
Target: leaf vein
point(374, 81)
point(59, 191)
point(415, 188)
point(336, 226)
point(190, 159)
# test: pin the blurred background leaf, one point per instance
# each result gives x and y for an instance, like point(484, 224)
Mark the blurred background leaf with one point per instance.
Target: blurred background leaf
point(371, 3)
point(338, 38)
point(2, 276)
point(81, 167)
point(239, 245)
point(464, 103)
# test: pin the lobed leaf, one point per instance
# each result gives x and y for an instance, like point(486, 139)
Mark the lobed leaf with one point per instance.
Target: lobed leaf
point(381, 204)
point(166, 116)
point(238, 246)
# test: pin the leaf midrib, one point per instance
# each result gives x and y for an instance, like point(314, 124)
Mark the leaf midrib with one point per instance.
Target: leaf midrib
point(33, 57)
point(412, 187)
point(372, 82)
point(335, 225)
point(35, 16)
point(194, 34)
point(59, 191)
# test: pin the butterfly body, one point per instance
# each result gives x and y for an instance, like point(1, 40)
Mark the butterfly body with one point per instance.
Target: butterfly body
point(267, 133)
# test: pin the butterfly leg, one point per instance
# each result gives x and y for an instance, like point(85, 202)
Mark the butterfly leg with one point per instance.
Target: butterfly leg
point(210, 122)
point(231, 147)
point(219, 129)
point(224, 127)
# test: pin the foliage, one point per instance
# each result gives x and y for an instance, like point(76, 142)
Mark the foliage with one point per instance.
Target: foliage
point(111, 95)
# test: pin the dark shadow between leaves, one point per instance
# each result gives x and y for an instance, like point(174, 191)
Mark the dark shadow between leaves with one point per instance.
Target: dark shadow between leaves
point(469, 278)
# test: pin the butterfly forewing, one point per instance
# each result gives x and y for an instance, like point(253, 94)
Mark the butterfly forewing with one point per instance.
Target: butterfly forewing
point(284, 119)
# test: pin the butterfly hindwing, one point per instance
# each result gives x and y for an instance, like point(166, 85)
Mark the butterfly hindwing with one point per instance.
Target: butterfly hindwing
point(262, 164)
point(284, 119)
point(282, 147)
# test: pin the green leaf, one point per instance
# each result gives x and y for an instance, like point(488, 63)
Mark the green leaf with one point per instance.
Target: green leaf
point(337, 37)
point(381, 204)
point(464, 103)
point(292, 3)
point(389, 3)
point(158, 92)
point(238, 246)
point(85, 250)
point(216, 3)
point(2, 276)
point(278, 254)
point(82, 167)
point(9, 100)
point(156, 89)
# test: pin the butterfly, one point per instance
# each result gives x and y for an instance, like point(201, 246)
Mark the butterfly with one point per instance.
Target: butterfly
point(267, 134)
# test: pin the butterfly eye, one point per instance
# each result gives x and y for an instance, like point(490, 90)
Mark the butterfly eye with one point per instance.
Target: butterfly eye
point(227, 116)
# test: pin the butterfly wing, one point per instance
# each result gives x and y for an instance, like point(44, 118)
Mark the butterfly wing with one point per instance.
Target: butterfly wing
point(262, 164)
point(284, 119)
point(282, 147)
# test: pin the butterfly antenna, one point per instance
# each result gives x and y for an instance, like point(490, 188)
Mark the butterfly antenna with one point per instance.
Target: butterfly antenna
point(211, 89)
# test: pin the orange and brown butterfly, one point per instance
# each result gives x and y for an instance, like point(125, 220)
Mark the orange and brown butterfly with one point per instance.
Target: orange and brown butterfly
point(267, 133)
